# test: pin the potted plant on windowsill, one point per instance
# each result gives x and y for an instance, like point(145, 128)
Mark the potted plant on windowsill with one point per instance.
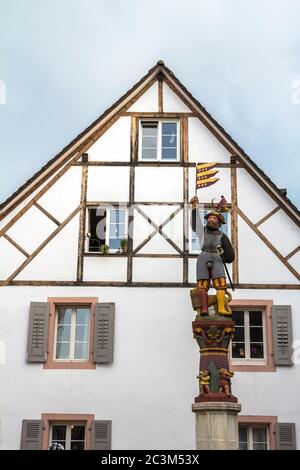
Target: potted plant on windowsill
point(124, 245)
point(104, 249)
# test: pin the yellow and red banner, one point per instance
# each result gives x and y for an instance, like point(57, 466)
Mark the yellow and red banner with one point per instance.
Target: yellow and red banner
point(205, 173)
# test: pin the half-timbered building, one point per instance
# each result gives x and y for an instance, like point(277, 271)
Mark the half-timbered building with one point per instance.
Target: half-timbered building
point(97, 260)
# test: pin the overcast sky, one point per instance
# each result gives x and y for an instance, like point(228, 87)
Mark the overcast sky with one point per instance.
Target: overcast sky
point(63, 62)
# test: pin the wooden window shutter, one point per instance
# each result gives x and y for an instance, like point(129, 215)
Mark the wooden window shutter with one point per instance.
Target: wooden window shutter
point(37, 343)
point(282, 335)
point(31, 438)
point(104, 332)
point(101, 435)
point(286, 436)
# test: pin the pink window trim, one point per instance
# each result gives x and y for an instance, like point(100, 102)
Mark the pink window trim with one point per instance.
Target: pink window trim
point(269, 421)
point(51, 363)
point(267, 306)
point(48, 418)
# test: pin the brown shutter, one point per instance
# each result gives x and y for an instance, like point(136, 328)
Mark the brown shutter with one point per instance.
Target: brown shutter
point(104, 332)
point(286, 436)
point(101, 435)
point(31, 434)
point(37, 343)
point(282, 334)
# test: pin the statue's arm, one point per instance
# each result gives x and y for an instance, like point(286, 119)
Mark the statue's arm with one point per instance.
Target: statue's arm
point(228, 249)
point(196, 223)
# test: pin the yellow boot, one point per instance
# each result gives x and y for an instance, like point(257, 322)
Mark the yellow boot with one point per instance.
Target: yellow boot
point(221, 302)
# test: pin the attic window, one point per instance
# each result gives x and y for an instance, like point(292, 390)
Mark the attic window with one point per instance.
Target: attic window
point(159, 141)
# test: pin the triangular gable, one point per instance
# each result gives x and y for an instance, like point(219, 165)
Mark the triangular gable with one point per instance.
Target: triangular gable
point(83, 141)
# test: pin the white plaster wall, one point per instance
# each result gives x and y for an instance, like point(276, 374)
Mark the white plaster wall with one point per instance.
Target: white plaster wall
point(203, 146)
point(58, 260)
point(64, 196)
point(31, 229)
point(148, 101)
point(141, 229)
point(174, 229)
point(114, 144)
point(10, 258)
point(295, 261)
point(105, 268)
point(172, 103)
point(157, 270)
point(252, 199)
point(158, 245)
point(257, 263)
point(159, 184)
point(108, 184)
point(216, 190)
point(282, 232)
point(148, 390)
point(15, 211)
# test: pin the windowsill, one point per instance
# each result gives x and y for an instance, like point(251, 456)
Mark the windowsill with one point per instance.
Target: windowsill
point(159, 162)
point(69, 365)
point(95, 253)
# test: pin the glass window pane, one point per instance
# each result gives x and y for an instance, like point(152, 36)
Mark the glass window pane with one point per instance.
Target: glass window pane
point(82, 332)
point(255, 318)
point(63, 332)
point(169, 153)
point(149, 154)
point(77, 445)
point(243, 438)
point(77, 432)
point(82, 315)
point(149, 129)
point(238, 350)
point(58, 432)
point(169, 128)
point(62, 350)
point(114, 243)
point(239, 334)
point(238, 317)
point(81, 350)
point(259, 446)
point(169, 141)
point(64, 315)
point(256, 350)
point(256, 334)
point(149, 142)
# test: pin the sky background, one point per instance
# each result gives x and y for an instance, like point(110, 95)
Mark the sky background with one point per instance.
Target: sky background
point(63, 62)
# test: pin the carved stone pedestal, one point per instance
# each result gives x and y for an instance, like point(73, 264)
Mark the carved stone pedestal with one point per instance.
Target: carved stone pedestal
point(216, 425)
point(215, 407)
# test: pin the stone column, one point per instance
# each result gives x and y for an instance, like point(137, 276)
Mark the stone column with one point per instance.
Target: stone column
point(216, 425)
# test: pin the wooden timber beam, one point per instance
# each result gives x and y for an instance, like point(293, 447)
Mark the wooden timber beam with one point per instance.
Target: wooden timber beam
point(269, 244)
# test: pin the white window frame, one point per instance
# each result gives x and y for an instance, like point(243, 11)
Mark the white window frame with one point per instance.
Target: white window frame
point(68, 431)
point(250, 428)
point(192, 251)
point(159, 141)
point(247, 359)
point(108, 210)
point(72, 334)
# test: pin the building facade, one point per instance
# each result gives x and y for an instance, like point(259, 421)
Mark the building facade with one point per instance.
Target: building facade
point(97, 260)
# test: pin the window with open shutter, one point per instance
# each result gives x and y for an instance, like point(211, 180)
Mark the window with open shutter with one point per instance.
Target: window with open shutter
point(31, 438)
point(104, 332)
point(282, 334)
point(37, 343)
point(101, 435)
point(286, 436)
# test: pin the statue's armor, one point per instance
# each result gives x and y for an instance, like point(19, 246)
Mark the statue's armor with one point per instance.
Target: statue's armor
point(211, 239)
point(209, 262)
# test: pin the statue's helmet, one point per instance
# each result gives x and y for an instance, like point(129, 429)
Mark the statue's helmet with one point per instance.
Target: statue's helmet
point(216, 214)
